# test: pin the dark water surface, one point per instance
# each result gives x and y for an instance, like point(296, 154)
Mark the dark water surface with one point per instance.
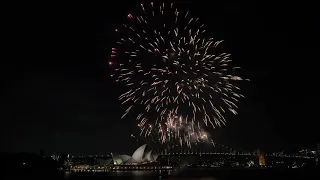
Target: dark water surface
point(186, 174)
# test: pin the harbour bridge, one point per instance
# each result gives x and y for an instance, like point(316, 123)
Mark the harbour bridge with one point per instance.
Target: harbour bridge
point(216, 150)
point(234, 154)
point(223, 150)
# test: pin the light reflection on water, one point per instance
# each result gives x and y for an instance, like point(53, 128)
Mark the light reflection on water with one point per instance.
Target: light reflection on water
point(131, 174)
point(159, 175)
point(196, 174)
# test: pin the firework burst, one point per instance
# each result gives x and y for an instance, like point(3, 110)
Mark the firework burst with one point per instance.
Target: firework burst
point(177, 80)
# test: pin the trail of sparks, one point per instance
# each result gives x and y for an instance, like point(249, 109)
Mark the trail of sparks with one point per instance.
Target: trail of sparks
point(174, 72)
point(178, 128)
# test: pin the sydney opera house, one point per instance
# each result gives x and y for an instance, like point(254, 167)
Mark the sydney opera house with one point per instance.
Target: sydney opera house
point(139, 157)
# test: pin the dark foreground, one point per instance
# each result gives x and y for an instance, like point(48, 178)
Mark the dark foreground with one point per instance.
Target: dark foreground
point(186, 174)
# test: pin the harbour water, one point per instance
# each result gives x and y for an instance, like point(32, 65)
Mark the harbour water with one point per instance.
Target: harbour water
point(186, 174)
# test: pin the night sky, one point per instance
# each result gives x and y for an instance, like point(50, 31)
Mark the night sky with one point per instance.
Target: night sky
point(57, 95)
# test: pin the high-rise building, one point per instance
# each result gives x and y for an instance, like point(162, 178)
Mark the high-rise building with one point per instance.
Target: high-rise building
point(261, 158)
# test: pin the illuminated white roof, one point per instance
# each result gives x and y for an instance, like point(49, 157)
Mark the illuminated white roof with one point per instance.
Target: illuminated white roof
point(116, 159)
point(124, 158)
point(148, 156)
point(155, 157)
point(137, 155)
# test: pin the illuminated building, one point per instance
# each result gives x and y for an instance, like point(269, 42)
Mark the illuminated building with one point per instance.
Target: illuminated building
point(137, 158)
point(261, 158)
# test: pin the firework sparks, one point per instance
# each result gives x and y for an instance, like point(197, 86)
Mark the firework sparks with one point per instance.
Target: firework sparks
point(174, 72)
point(179, 129)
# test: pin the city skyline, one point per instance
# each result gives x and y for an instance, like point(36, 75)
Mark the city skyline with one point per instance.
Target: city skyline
point(58, 95)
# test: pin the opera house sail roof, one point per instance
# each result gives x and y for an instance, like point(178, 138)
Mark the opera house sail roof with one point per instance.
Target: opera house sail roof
point(147, 157)
point(138, 157)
